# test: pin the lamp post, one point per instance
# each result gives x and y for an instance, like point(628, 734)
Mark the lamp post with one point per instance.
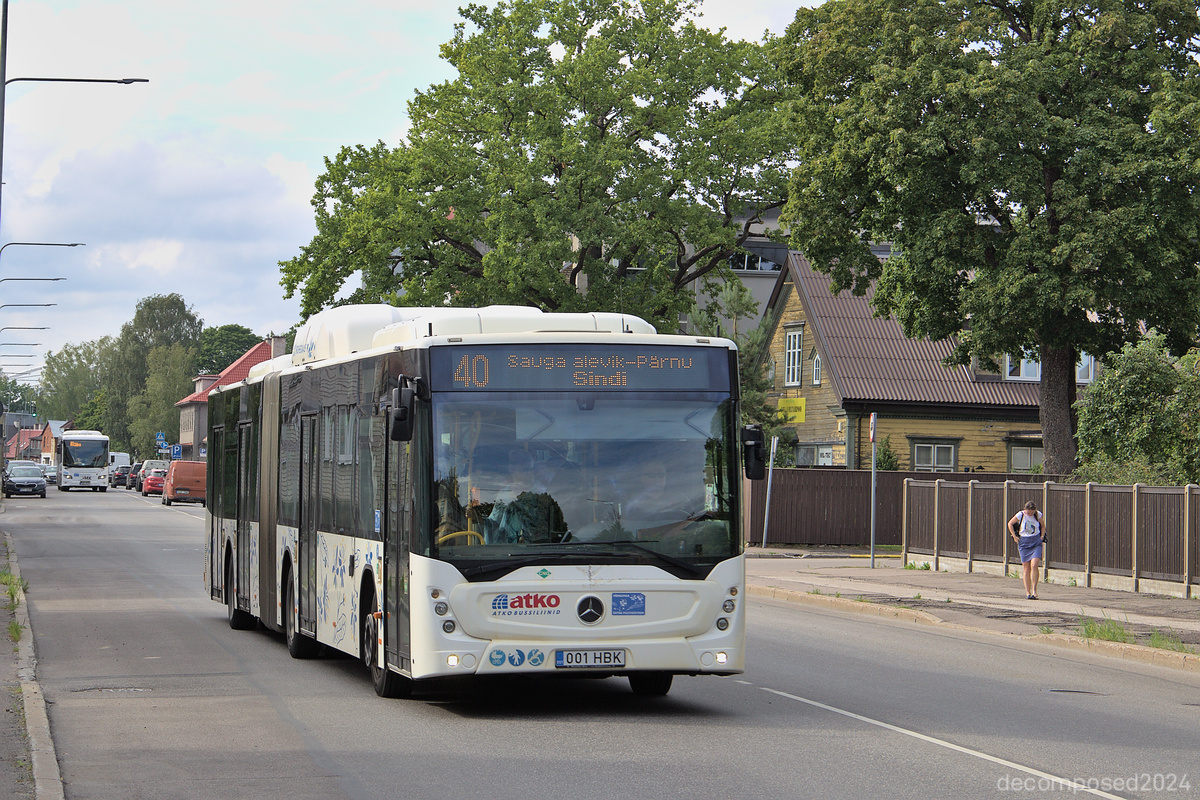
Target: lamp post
point(27, 305)
point(5, 80)
point(38, 244)
point(2, 280)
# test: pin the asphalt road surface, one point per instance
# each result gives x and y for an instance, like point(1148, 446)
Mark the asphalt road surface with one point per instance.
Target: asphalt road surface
point(151, 695)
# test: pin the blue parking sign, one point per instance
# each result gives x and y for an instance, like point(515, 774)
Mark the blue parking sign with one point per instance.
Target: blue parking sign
point(176, 452)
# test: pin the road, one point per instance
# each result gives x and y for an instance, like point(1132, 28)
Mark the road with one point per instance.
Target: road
point(151, 695)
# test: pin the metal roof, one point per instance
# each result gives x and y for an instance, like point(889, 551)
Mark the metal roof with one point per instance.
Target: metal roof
point(872, 360)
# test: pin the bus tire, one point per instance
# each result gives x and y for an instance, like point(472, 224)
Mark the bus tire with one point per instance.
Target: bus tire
point(650, 684)
point(386, 683)
point(104, 488)
point(238, 620)
point(298, 645)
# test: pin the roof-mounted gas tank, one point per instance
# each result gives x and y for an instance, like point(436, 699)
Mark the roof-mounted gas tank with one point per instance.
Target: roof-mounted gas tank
point(344, 330)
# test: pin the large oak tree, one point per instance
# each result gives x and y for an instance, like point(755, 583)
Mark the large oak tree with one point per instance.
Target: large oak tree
point(601, 144)
point(1034, 164)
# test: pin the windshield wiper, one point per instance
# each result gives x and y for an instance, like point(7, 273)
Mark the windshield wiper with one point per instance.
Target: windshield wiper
point(692, 568)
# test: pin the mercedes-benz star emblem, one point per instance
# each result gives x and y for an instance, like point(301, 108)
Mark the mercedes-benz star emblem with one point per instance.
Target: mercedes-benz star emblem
point(590, 610)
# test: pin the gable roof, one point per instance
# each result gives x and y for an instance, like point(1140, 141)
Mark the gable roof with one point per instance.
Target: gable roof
point(235, 372)
point(871, 360)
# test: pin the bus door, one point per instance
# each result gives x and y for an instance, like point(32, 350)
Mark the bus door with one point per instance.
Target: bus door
point(307, 546)
point(214, 553)
point(396, 634)
point(245, 512)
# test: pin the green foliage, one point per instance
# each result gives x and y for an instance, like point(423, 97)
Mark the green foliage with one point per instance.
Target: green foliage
point(171, 369)
point(91, 417)
point(16, 395)
point(220, 347)
point(1169, 640)
point(1106, 629)
point(1139, 421)
point(885, 456)
point(71, 377)
point(1035, 168)
point(159, 321)
point(589, 155)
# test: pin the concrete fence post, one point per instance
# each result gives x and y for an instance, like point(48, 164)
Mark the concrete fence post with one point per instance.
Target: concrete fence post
point(1087, 534)
point(1133, 552)
point(904, 524)
point(1046, 545)
point(1004, 538)
point(937, 522)
point(1188, 530)
point(970, 523)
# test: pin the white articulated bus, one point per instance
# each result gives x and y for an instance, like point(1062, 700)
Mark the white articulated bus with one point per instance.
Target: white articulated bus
point(445, 492)
point(83, 461)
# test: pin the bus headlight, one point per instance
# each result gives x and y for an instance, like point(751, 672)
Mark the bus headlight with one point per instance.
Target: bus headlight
point(722, 658)
point(728, 606)
point(440, 608)
point(722, 624)
point(448, 626)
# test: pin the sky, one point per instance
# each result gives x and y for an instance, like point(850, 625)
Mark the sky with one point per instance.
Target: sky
point(199, 182)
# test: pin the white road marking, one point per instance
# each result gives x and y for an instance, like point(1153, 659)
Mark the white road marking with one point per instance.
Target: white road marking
point(1060, 783)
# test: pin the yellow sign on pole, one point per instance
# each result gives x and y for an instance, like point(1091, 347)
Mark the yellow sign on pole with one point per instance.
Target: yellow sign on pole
point(792, 408)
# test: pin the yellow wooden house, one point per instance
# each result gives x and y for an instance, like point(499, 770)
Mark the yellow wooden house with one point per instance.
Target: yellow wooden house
point(834, 363)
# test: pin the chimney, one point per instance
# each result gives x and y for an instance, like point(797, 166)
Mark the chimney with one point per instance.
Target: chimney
point(278, 346)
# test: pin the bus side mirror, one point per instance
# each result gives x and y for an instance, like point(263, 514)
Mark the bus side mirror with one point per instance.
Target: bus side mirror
point(754, 453)
point(401, 414)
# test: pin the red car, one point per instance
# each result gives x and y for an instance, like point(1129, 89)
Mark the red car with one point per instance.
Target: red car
point(153, 484)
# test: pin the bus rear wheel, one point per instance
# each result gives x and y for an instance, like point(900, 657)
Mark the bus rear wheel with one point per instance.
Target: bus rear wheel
point(650, 684)
point(238, 620)
point(298, 645)
point(386, 682)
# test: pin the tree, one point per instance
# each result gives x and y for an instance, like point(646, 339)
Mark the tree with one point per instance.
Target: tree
point(1034, 165)
point(15, 395)
point(1143, 410)
point(171, 369)
point(220, 347)
point(71, 377)
point(159, 321)
point(590, 155)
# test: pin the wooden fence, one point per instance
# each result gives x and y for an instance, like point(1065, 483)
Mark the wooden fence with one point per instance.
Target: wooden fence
point(833, 506)
point(1138, 532)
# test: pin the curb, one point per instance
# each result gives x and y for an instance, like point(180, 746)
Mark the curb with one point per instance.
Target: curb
point(1142, 654)
point(47, 780)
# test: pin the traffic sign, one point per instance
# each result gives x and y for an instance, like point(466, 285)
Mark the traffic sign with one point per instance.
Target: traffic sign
point(176, 452)
point(161, 438)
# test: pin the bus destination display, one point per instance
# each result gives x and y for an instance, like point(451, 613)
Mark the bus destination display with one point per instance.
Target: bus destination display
point(579, 367)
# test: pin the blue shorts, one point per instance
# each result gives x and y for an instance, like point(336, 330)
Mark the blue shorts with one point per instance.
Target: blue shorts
point(1031, 549)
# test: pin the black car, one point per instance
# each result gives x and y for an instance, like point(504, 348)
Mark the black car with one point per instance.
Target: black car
point(131, 476)
point(23, 479)
point(118, 475)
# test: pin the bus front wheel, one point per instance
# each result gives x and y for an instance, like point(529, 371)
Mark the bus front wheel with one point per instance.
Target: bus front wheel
point(650, 684)
point(386, 682)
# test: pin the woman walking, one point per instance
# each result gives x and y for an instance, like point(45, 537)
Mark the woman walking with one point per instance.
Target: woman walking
point(1028, 529)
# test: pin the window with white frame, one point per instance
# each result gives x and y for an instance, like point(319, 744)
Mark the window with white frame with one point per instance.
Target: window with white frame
point(1024, 457)
point(934, 457)
point(1028, 369)
point(793, 356)
point(816, 369)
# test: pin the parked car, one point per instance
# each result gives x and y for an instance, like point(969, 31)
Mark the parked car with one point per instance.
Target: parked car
point(131, 476)
point(153, 482)
point(148, 465)
point(185, 483)
point(25, 479)
point(118, 476)
point(50, 472)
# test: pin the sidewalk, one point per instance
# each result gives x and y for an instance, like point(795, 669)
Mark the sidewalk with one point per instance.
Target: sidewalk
point(843, 579)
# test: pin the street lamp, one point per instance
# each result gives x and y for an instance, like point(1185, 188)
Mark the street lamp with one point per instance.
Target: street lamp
point(40, 244)
point(24, 328)
point(27, 305)
point(5, 80)
point(2, 280)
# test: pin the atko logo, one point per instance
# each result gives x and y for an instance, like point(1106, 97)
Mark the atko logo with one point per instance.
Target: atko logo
point(525, 605)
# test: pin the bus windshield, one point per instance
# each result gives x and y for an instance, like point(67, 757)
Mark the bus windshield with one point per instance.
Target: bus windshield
point(568, 477)
point(84, 453)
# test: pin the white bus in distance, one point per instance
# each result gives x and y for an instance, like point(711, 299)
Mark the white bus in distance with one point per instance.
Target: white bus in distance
point(83, 461)
point(450, 492)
